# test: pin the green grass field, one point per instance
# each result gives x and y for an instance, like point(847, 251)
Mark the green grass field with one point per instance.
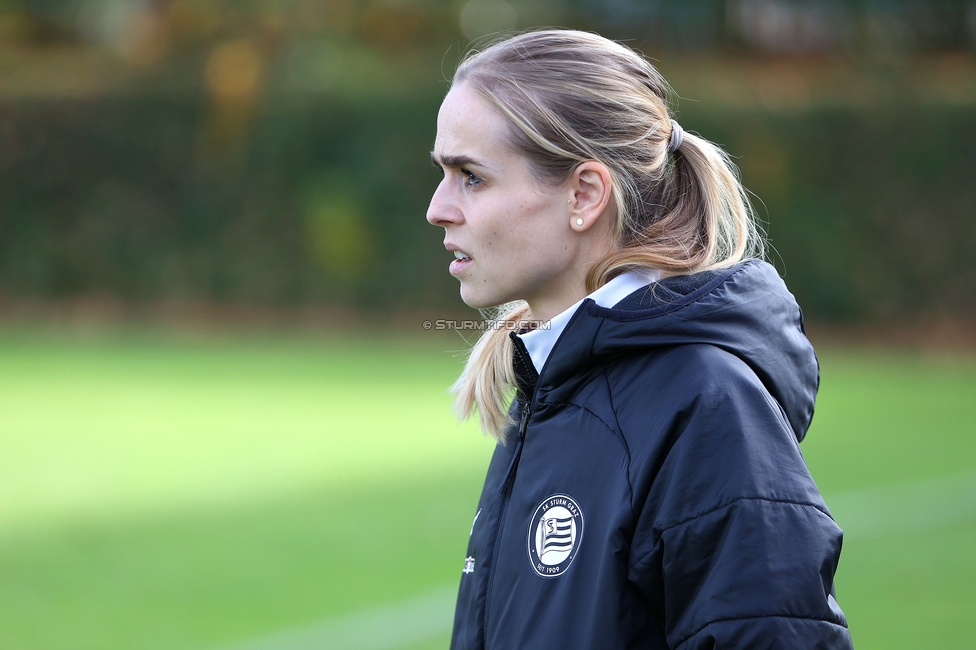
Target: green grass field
point(170, 492)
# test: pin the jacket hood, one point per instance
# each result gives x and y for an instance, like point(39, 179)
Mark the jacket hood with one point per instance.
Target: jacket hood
point(745, 310)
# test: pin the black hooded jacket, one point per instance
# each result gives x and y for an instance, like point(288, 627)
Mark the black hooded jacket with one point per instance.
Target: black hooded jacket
point(653, 494)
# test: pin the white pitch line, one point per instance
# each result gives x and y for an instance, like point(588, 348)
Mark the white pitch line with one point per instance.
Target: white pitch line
point(906, 507)
point(865, 513)
point(386, 627)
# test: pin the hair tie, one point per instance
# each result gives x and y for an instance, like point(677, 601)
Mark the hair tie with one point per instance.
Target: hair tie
point(677, 136)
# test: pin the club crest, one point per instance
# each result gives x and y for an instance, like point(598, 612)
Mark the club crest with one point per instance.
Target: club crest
point(555, 533)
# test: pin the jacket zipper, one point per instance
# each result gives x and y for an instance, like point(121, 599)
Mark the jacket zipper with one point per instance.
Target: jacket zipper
point(506, 496)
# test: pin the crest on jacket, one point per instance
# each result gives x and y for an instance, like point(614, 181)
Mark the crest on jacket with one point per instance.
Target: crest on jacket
point(555, 533)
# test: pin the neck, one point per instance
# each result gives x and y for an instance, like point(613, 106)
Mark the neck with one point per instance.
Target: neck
point(571, 288)
point(544, 309)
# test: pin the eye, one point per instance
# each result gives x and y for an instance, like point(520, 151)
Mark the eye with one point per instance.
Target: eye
point(471, 179)
point(439, 169)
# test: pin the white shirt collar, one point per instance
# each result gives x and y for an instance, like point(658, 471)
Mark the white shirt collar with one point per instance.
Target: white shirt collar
point(540, 342)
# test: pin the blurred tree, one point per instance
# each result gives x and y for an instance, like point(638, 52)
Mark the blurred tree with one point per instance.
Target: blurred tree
point(276, 150)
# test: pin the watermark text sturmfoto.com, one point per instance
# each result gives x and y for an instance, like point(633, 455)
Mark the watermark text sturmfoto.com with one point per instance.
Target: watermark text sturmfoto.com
point(514, 325)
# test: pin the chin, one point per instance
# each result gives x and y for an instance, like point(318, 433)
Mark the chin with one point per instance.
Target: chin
point(481, 301)
point(476, 304)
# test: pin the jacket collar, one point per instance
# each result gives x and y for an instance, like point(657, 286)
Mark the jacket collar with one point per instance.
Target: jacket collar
point(540, 342)
point(526, 376)
point(745, 310)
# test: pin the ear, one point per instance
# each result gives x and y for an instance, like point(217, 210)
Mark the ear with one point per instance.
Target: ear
point(590, 190)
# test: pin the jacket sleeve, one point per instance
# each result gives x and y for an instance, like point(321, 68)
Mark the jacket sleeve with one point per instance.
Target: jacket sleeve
point(733, 544)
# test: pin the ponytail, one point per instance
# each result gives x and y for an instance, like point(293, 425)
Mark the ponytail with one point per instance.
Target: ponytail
point(679, 206)
point(705, 221)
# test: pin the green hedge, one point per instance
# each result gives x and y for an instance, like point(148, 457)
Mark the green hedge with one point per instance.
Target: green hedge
point(870, 213)
point(145, 198)
point(320, 200)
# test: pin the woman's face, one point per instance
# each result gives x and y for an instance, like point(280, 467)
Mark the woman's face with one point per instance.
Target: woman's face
point(510, 233)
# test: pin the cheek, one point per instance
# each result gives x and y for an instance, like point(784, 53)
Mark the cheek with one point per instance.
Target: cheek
point(511, 249)
point(519, 234)
point(498, 232)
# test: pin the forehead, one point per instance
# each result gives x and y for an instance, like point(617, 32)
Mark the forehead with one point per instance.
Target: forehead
point(469, 126)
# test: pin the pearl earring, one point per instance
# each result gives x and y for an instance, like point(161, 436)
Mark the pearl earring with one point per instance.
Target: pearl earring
point(579, 222)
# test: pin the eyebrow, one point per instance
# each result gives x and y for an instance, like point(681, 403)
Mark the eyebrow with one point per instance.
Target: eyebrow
point(454, 162)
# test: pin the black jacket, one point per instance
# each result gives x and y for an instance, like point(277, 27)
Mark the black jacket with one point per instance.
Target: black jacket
point(654, 494)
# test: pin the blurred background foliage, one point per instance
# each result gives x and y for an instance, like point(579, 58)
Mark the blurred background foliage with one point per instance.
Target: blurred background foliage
point(275, 152)
point(268, 160)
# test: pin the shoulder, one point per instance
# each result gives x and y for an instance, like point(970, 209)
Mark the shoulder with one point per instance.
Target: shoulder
point(697, 418)
point(702, 365)
point(671, 380)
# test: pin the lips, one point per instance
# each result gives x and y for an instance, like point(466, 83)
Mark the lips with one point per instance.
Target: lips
point(461, 260)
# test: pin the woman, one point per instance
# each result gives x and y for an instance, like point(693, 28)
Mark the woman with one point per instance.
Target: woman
point(648, 489)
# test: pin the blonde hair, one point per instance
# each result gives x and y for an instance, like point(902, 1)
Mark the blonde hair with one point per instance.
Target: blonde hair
point(570, 97)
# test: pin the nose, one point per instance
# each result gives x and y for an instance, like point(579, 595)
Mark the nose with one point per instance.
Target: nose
point(443, 211)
